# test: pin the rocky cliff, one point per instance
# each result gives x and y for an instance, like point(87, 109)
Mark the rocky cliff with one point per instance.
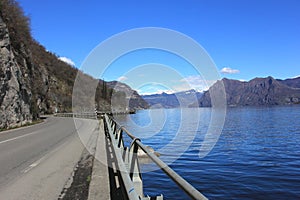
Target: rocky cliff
point(256, 92)
point(15, 93)
point(33, 80)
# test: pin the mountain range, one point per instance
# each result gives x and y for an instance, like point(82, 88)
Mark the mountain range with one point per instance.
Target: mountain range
point(179, 99)
point(256, 92)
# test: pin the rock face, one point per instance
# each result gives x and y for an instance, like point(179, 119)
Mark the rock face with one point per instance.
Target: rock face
point(256, 92)
point(32, 80)
point(15, 94)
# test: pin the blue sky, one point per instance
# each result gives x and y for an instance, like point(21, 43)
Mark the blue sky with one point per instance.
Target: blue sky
point(245, 38)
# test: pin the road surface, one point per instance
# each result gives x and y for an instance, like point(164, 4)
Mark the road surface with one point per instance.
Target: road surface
point(36, 162)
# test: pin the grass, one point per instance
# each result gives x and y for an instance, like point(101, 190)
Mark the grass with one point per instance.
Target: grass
point(88, 179)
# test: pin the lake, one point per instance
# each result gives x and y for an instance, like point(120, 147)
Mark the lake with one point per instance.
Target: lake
point(257, 155)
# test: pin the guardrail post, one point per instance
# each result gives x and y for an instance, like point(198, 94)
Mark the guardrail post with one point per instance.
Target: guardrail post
point(135, 173)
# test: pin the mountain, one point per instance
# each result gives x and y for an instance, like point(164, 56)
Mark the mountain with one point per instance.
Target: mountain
point(294, 82)
point(179, 99)
point(162, 100)
point(125, 96)
point(34, 80)
point(256, 92)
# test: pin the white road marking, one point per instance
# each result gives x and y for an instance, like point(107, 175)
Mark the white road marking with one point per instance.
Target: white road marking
point(36, 163)
point(12, 139)
point(30, 167)
point(33, 165)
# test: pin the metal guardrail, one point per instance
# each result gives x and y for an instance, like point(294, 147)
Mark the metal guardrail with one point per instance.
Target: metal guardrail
point(93, 115)
point(87, 115)
point(128, 163)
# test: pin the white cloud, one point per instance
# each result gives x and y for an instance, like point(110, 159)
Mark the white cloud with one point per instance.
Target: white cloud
point(122, 78)
point(228, 70)
point(165, 91)
point(154, 88)
point(67, 60)
point(194, 82)
point(142, 92)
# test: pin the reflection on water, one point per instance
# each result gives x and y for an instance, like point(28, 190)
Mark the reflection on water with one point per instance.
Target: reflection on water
point(256, 157)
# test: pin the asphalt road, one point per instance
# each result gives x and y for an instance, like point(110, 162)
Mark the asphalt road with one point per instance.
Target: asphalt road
point(36, 162)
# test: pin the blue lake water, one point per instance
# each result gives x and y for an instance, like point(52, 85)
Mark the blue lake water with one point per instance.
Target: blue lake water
point(257, 155)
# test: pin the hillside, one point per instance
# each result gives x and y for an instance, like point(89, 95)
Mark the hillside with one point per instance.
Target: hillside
point(175, 100)
point(293, 82)
point(126, 97)
point(256, 92)
point(32, 79)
